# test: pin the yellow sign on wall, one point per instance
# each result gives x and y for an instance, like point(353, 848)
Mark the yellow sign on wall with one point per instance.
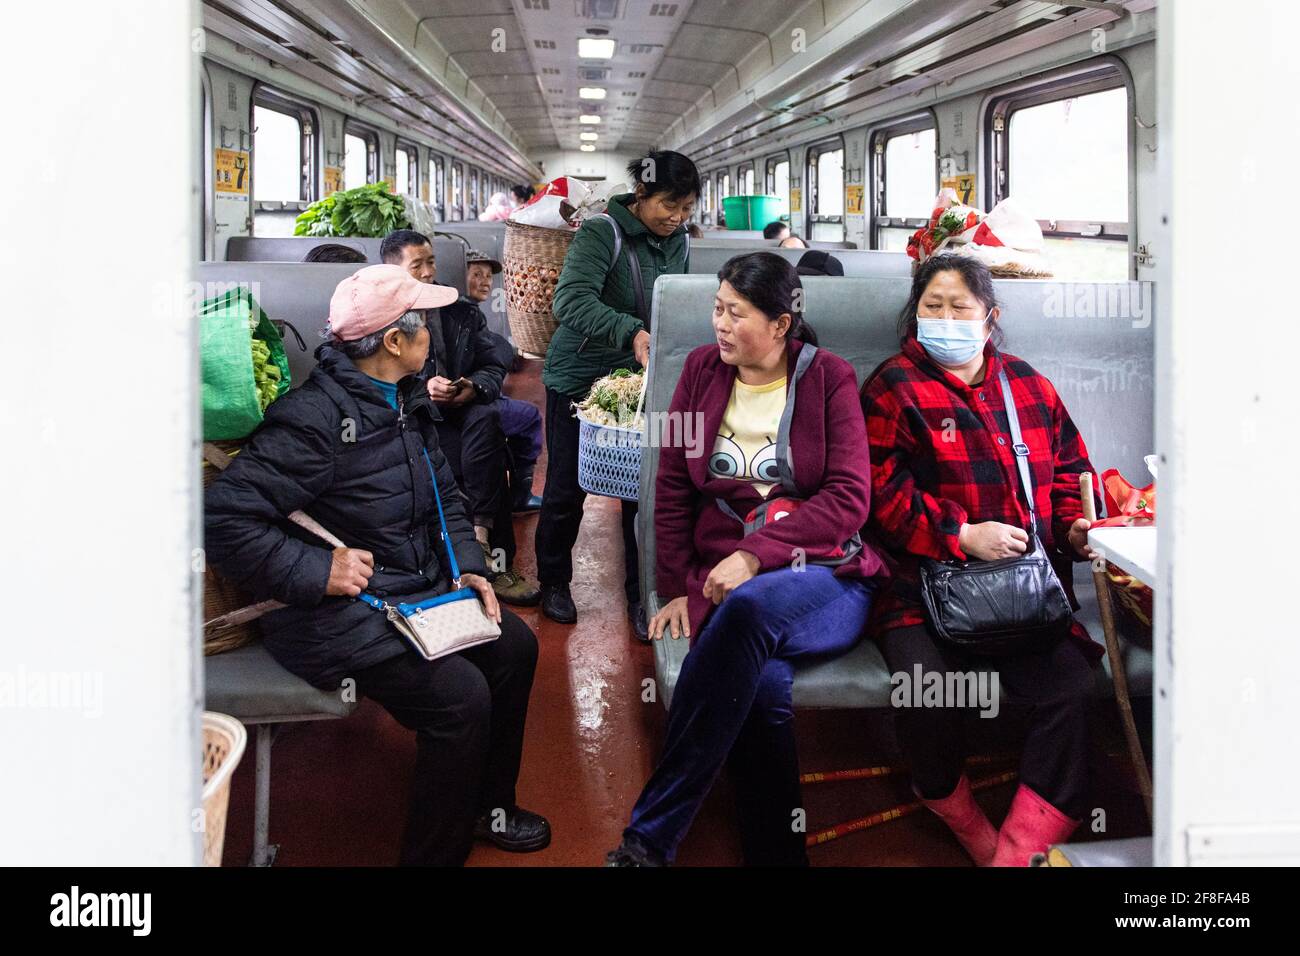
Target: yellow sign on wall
point(796, 199)
point(230, 173)
point(853, 200)
point(963, 185)
point(391, 183)
point(333, 179)
point(424, 191)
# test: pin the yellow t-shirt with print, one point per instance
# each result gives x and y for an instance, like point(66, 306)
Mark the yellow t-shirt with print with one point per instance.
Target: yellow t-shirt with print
point(746, 444)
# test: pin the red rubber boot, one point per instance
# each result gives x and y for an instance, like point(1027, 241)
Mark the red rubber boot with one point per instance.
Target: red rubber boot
point(967, 822)
point(1032, 824)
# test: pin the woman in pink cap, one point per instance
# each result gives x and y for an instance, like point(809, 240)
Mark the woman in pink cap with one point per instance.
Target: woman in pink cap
point(348, 447)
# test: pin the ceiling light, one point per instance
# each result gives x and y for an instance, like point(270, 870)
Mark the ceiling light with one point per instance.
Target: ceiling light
point(587, 149)
point(593, 48)
point(589, 118)
point(591, 92)
point(589, 137)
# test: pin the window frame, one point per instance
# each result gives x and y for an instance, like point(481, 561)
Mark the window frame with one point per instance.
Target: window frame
point(269, 98)
point(459, 194)
point(769, 174)
point(412, 167)
point(740, 175)
point(371, 138)
point(812, 193)
point(438, 186)
point(1094, 76)
point(877, 138)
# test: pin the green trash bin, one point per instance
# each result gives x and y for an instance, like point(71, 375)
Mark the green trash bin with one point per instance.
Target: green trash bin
point(752, 212)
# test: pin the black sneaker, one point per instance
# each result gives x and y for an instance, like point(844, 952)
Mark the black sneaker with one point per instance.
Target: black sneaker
point(557, 604)
point(527, 505)
point(640, 627)
point(519, 831)
point(631, 853)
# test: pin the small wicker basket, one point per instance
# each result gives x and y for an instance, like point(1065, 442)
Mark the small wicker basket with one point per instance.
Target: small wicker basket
point(224, 739)
point(220, 597)
point(533, 258)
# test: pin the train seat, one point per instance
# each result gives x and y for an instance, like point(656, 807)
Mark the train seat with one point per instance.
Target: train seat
point(707, 259)
point(249, 685)
point(1095, 341)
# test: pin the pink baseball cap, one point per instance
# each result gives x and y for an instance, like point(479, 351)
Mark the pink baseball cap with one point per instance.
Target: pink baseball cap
point(375, 297)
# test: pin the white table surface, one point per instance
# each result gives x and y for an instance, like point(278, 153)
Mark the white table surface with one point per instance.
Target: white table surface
point(1133, 549)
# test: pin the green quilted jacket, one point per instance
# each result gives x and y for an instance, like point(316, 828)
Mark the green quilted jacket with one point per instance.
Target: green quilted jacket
point(595, 304)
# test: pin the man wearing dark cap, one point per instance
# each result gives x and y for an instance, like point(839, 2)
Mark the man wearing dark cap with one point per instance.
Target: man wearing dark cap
point(819, 262)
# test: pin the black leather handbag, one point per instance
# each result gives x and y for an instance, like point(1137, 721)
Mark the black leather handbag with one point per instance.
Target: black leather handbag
point(1004, 606)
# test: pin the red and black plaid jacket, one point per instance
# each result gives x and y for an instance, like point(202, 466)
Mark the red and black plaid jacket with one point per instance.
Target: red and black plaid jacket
point(941, 456)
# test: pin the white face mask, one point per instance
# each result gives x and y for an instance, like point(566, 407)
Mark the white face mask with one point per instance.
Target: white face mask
point(952, 342)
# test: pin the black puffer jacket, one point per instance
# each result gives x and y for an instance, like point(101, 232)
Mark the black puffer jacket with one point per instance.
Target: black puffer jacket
point(335, 449)
point(471, 349)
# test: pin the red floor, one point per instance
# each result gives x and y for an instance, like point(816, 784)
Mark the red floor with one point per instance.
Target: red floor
point(339, 788)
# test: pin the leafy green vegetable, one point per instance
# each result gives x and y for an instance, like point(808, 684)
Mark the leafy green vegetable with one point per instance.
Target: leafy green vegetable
point(369, 210)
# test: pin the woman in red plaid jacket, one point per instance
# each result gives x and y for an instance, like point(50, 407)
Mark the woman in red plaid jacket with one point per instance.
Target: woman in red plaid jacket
point(944, 486)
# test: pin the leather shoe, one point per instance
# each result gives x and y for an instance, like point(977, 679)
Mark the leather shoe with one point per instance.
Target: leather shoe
point(528, 505)
point(640, 627)
point(518, 830)
point(557, 604)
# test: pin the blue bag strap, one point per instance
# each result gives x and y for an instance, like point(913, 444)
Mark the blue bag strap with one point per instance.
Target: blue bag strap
point(442, 520)
point(1018, 446)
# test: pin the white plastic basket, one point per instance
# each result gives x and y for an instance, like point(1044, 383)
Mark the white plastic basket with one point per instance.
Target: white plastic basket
point(224, 739)
point(609, 457)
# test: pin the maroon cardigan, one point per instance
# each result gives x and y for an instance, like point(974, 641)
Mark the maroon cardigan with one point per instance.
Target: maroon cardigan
point(832, 469)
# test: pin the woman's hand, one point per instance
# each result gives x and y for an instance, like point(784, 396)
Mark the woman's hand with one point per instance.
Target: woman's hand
point(1078, 535)
point(728, 574)
point(641, 348)
point(350, 572)
point(483, 588)
point(672, 617)
point(990, 540)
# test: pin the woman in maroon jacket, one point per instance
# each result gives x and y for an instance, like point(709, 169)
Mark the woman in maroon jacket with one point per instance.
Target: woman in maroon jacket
point(945, 486)
point(798, 585)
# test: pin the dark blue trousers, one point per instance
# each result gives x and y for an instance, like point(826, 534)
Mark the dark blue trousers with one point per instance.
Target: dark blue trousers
point(732, 704)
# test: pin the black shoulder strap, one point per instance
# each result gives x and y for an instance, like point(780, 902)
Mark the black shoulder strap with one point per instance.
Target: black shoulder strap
point(633, 265)
point(784, 462)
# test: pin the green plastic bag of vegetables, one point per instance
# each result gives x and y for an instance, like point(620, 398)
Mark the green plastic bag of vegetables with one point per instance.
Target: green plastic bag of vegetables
point(243, 363)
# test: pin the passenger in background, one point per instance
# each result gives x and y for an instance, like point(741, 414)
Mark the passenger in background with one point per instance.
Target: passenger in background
point(334, 252)
point(791, 583)
point(603, 326)
point(520, 195)
point(818, 262)
point(521, 421)
point(776, 230)
point(348, 447)
point(793, 242)
point(694, 231)
point(954, 495)
point(498, 209)
point(464, 373)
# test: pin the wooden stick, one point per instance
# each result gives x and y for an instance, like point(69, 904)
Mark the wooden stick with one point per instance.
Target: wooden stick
point(869, 773)
point(1118, 675)
point(893, 813)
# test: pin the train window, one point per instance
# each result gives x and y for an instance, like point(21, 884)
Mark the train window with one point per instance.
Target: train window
point(360, 157)
point(724, 187)
point(408, 171)
point(745, 181)
point(473, 193)
point(437, 186)
point(826, 190)
point(1060, 149)
point(905, 171)
point(457, 211)
point(284, 168)
point(706, 200)
point(777, 178)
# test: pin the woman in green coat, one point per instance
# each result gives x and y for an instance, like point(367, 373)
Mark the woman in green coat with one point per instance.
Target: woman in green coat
point(603, 327)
